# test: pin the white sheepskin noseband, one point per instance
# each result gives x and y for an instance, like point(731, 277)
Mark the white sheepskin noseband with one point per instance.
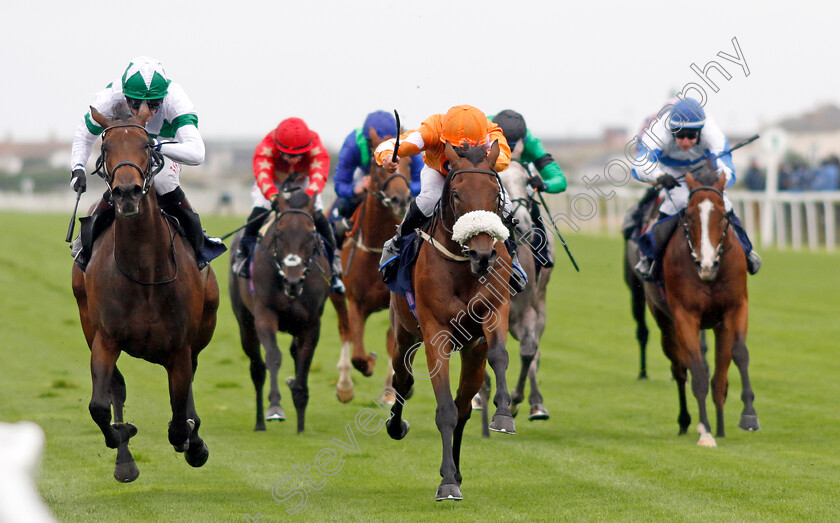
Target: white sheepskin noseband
point(477, 222)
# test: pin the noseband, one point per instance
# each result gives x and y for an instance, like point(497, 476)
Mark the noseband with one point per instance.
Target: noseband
point(687, 229)
point(153, 166)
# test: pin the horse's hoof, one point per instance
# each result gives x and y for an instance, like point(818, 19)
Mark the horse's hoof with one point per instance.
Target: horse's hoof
point(344, 395)
point(643, 375)
point(393, 433)
point(275, 413)
point(476, 403)
point(445, 492)
point(502, 423)
point(259, 427)
point(538, 412)
point(388, 398)
point(197, 457)
point(126, 472)
point(749, 422)
point(706, 438)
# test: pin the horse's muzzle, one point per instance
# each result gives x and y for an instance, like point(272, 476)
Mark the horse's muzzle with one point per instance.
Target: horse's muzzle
point(293, 287)
point(482, 262)
point(127, 199)
point(708, 272)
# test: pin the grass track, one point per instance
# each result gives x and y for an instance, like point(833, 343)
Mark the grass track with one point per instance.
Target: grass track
point(609, 452)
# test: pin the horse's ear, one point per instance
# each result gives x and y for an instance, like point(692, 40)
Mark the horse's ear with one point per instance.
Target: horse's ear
point(720, 183)
point(493, 154)
point(144, 114)
point(99, 118)
point(450, 153)
point(691, 182)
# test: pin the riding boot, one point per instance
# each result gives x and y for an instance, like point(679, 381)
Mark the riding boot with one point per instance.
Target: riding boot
point(414, 219)
point(81, 248)
point(241, 259)
point(753, 259)
point(175, 204)
point(654, 240)
point(322, 225)
point(518, 278)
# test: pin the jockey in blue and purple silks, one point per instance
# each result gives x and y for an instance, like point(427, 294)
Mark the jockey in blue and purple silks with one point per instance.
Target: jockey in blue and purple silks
point(352, 174)
point(682, 139)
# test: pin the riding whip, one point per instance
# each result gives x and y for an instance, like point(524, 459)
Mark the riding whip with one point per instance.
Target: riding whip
point(72, 225)
point(562, 240)
point(397, 143)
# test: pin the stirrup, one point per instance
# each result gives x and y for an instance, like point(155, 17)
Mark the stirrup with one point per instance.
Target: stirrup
point(518, 279)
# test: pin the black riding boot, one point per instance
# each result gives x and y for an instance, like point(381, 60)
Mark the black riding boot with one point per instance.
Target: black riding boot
point(414, 219)
point(242, 257)
point(518, 278)
point(322, 225)
point(661, 234)
point(82, 247)
point(175, 203)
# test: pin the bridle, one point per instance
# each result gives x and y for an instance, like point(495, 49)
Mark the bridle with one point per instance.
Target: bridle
point(153, 166)
point(450, 203)
point(687, 229)
point(295, 260)
point(380, 189)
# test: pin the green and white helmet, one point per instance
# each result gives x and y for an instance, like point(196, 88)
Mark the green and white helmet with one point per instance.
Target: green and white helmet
point(145, 79)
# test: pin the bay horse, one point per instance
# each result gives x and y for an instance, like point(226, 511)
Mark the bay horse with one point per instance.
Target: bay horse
point(527, 308)
point(376, 219)
point(289, 284)
point(142, 294)
point(705, 287)
point(462, 304)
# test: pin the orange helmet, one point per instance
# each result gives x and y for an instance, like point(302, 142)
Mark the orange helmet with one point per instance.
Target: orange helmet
point(292, 136)
point(464, 123)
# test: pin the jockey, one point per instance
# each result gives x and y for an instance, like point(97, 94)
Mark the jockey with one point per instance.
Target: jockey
point(173, 125)
point(550, 178)
point(676, 143)
point(290, 151)
point(352, 175)
point(461, 125)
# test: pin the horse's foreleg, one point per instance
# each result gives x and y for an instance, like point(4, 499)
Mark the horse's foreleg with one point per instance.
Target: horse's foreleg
point(472, 379)
point(637, 292)
point(356, 316)
point(687, 335)
point(724, 337)
point(180, 371)
point(125, 469)
point(749, 418)
point(298, 385)
point(390, 343)
point(197, 453)
point(344, 387)
point(266, 327)
point(103, 359)
point(678, 370)
point(446, 418)
point(497, 357)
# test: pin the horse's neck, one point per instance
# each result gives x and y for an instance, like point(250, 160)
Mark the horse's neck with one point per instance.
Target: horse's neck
point(378, 221)
point(134, 235)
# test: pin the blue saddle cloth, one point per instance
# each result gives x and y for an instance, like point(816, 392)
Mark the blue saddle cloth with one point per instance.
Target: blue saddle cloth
point(402, 284)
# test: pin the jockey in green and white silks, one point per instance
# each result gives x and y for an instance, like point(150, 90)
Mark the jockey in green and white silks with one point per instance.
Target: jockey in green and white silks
point(173, 126)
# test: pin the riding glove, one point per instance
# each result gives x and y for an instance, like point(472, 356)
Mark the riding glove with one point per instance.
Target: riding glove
point(537, 183)
point(667, 181)
point(78, 181)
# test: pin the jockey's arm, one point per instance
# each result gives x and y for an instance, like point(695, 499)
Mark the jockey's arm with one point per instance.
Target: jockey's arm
point(188, 147)
point(534, 152)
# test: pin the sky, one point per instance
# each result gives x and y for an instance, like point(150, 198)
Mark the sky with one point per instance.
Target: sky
point(571, 68)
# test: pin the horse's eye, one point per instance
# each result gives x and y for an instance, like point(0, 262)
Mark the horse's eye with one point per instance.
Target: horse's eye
point(455, 196)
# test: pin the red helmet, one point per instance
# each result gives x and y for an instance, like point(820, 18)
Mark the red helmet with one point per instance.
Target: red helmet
point(292, 136)
point(464, 123)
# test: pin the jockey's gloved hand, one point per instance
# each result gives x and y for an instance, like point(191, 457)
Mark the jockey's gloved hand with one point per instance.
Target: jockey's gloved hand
point(78, 181)
point(537, 183)
point(297, 199)
point(667, 181)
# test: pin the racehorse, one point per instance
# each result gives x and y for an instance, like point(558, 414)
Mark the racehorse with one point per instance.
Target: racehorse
point(527, 308)
point(287, 292)
point(461, 303)
point(705, 287)
point(376, 218)
point(142, 294)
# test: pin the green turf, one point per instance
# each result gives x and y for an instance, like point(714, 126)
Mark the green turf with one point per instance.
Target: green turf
point(609, 452)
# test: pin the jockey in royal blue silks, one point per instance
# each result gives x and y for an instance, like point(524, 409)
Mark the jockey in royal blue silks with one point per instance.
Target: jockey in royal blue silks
point(677, 142)
point(352, 174)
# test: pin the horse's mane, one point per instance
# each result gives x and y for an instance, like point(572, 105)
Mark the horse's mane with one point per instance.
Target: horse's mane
point(474, 153)
point(707, 175)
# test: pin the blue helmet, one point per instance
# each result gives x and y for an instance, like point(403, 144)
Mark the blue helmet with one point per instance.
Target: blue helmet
point(687, 114)
point(383, 123)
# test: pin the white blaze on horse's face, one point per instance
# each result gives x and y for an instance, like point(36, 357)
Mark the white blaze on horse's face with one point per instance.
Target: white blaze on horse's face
point(707, 250)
